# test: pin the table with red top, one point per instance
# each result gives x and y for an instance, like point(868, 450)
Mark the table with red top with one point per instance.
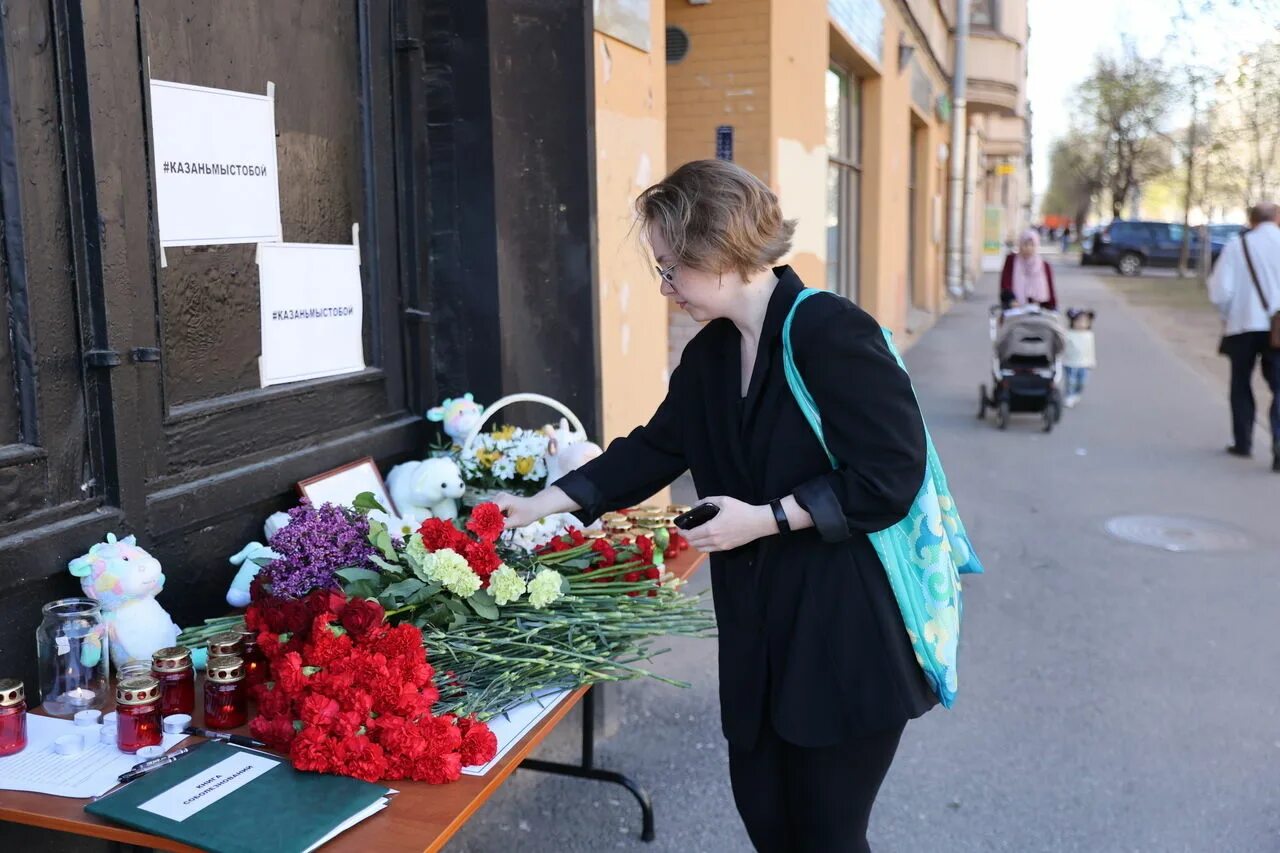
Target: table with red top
point(421, 817)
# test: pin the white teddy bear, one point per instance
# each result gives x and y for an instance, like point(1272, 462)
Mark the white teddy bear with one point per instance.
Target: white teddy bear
point(429, 488)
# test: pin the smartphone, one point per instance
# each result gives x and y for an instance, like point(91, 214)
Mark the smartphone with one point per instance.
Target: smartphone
point(696, 517)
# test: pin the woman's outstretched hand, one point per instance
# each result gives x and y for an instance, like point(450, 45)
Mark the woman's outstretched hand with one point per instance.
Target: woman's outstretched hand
point(525, 511)
point(735, 525)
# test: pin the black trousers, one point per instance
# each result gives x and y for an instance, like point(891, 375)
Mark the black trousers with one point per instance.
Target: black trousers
point(796, 799)
point(1245, 350)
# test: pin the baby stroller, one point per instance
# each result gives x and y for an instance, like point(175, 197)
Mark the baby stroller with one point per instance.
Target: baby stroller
point(1026, 365)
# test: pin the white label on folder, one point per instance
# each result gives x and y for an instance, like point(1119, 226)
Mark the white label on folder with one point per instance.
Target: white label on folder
point(208, 786)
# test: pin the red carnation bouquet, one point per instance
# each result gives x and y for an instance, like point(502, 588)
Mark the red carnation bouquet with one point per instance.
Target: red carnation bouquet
point(351, 695)
point(602, 561)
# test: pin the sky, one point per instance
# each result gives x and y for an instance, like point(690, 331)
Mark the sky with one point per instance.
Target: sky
point(1065, 36)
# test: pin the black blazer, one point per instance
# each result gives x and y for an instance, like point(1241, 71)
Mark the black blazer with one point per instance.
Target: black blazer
point(811, 639)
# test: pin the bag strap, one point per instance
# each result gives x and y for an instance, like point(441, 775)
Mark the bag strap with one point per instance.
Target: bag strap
point(1253, 274)
point(796, 382)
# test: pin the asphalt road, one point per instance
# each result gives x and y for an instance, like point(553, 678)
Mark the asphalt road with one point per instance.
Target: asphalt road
point(1114, 696)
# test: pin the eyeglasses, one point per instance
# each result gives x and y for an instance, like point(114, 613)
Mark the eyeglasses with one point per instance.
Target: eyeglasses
point(669, 274)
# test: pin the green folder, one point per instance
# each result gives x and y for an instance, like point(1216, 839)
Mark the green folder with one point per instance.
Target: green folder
point(226, 799)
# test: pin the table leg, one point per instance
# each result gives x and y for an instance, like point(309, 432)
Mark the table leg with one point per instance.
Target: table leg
point(587, 769)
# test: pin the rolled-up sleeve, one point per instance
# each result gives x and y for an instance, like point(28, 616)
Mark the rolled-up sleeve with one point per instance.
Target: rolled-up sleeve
point(871, 422)
point(636, 466)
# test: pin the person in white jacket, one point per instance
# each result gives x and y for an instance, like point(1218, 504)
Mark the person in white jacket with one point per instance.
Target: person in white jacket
point(1246, 310)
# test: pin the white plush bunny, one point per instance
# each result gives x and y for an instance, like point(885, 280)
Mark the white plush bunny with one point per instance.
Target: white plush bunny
point(567, 450)
point(429, 488)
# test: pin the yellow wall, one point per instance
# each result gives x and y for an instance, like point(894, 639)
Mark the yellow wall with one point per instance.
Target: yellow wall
point(630, 155)
point(797, 122)
point(724, 79)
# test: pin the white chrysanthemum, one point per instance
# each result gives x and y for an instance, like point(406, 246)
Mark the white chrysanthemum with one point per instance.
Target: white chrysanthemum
point(452, 571)
point(504, 468)
point(545, 588)
point(506, 585)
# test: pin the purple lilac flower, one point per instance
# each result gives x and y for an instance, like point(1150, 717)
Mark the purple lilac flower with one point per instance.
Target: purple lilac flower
point(313, 545)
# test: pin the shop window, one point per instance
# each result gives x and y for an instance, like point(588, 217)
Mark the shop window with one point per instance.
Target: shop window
point(844, 173)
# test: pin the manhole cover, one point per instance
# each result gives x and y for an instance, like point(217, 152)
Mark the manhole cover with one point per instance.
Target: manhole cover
point(1178, 534)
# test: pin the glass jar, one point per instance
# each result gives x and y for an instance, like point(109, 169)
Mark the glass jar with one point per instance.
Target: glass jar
point(73, 657)
point(138, 714)
point(133, 669)
point(226, 704)
point(172, 668)
point(13, 716)
point(226, 644)
point(255, 662)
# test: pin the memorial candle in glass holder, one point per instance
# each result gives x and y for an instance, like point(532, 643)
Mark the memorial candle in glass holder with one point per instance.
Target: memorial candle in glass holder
point(226, 644)
point(172, 668)
point(72, 653)
point(255, 662)
point(226, 703)
point(138, 713)
point(13, 716)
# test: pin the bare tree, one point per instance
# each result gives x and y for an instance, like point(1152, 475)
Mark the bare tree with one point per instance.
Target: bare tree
point(1076, 176)
point(1126, 101)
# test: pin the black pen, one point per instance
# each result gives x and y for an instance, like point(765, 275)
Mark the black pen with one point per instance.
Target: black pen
point(152, 763)
point(238, 740)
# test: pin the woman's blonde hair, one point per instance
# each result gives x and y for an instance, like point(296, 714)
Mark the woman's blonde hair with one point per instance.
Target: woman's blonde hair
point(717, 216)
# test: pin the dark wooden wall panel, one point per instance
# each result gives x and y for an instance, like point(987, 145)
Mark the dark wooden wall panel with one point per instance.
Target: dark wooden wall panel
point(209, 295)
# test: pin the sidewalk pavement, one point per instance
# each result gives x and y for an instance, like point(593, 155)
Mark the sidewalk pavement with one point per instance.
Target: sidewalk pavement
point(1114, 697)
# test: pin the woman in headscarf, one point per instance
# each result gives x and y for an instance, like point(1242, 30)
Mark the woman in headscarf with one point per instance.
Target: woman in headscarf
point(1027, 278)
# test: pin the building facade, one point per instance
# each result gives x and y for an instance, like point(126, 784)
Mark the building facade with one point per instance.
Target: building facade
point(844, 108)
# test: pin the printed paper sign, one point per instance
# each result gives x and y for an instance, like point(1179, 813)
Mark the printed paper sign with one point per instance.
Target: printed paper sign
point(312, 311)
point(202, 790)
point(215, 165)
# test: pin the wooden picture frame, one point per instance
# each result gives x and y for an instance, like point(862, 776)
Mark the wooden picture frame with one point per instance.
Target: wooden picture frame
point(341, 485)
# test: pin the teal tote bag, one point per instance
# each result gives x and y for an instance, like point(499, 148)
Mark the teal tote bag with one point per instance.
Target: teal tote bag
point(924, 554)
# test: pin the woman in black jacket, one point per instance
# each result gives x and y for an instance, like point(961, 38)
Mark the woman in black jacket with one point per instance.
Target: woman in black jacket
point(817, 674)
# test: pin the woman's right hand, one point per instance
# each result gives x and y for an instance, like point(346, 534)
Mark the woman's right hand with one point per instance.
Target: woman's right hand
point(521, 512)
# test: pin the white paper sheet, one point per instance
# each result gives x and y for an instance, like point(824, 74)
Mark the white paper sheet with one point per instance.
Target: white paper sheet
point(201, 790)
point(312, 310)
point(510, 727)
point(217, 179)
point(89, 773)
point(369, 812)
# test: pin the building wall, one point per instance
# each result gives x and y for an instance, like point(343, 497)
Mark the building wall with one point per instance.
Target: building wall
point(752, 64)
point(631, 102)
point(724, 79)
point(892, 124)
point(797, 119)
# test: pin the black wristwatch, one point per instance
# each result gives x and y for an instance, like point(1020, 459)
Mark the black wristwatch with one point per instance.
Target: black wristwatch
point(780, 516)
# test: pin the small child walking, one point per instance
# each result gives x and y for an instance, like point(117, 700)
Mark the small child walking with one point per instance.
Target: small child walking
point(1079, 357)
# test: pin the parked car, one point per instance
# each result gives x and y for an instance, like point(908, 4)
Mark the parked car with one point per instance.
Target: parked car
point(1130, 245)
point(1224, 232)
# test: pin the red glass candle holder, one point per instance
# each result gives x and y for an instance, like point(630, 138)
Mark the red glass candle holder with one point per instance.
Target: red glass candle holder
point(225, 644)
point(13, 716)
point(172, 668)
point(226, 703)
point(255, 662)
point(138, 713)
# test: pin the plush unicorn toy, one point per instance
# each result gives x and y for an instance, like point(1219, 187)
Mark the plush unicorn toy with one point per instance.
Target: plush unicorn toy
point(125, 580)
point(459, 416)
